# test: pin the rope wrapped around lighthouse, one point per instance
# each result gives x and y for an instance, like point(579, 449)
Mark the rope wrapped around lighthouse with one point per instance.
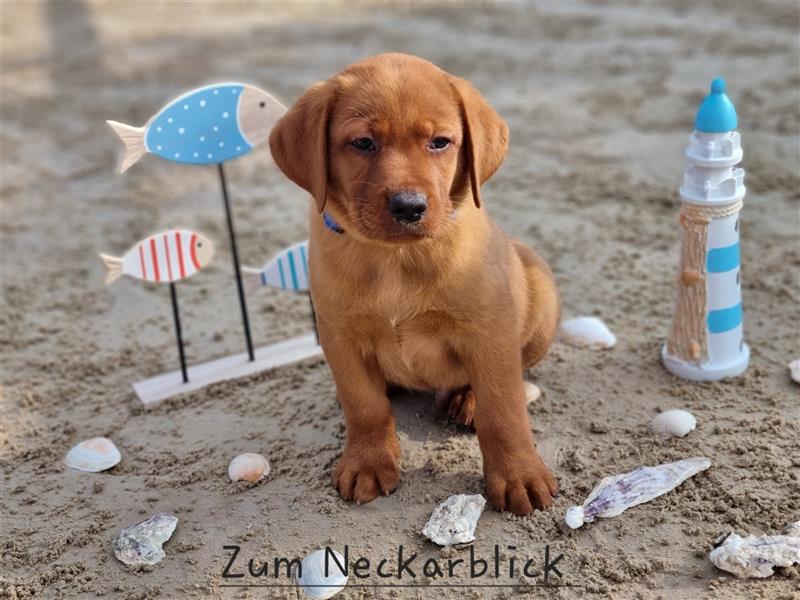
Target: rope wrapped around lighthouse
point(706, 339)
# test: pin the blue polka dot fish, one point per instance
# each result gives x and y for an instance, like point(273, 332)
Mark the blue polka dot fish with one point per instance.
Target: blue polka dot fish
point(288, 270)
point(208, 125)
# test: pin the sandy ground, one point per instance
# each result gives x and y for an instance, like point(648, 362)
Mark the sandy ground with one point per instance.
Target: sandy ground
point(600, 101)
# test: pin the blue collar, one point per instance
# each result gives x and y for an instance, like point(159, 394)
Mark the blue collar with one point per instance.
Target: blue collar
point(331, 224)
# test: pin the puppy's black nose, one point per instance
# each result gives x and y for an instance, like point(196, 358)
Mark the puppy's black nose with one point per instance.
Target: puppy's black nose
point(407, 207)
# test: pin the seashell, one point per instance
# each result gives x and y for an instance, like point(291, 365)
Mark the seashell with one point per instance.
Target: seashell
point(140, 544)
point(794, 370)
point(792, 529)
point(672, 423)
point(587, 332)
point(756, 556)
point(453, 522)
point(96, 454)
point(613, 495)
point(249, 466)
point(313, 580)
point(532, 392)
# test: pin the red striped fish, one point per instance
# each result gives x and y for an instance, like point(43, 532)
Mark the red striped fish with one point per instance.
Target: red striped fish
point(162, 258)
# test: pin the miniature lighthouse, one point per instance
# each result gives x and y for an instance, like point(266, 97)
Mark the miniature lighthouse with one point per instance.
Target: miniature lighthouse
point(706, 340)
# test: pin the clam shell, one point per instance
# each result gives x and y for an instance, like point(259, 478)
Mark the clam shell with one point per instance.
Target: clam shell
point(453, 522)
point(756, 556)
point(532, 392)
point(96, 454)
point(672, 423)
point(140, 544)
point(249, 466)
point(313, 580)
point(794, 370)
point(587, 332)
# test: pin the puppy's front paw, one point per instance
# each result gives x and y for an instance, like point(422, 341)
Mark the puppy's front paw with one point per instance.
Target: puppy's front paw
point(520, 484)
point(364, 472)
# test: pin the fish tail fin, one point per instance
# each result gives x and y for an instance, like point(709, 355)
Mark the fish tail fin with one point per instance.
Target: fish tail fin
point(114, 266)
point(251, 279)
point(133, 138)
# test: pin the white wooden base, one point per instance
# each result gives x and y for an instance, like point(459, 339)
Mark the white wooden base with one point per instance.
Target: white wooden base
point(709, 371)
point(166, 385)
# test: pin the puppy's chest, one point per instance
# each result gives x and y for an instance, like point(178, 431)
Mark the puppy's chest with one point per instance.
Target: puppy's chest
point(397, 318)
point(417, 352)
point(407, 323)
point(412, 339)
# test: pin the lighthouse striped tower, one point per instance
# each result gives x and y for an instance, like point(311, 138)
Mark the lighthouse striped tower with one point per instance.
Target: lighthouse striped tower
point(706, 339)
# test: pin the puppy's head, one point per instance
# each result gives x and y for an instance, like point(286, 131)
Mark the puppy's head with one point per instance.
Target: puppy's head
point(391, 145)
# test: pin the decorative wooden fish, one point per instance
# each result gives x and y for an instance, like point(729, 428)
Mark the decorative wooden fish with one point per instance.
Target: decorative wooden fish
point(208, 125)
point(163, 257)
point(287, 271)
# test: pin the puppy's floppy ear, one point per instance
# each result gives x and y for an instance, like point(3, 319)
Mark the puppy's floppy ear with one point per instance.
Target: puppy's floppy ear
point(485, 135)
point(299, 140)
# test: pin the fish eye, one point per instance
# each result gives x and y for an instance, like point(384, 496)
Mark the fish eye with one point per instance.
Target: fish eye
point(262, 104)
point(199, 244)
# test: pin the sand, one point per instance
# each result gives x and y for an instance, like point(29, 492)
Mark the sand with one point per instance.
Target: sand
point(600, 100)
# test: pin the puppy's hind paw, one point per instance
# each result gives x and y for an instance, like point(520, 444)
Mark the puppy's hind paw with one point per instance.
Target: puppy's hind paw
point(458, 405)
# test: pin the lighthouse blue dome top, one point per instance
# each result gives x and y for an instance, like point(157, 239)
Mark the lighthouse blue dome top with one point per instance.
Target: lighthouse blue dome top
point(716, 113)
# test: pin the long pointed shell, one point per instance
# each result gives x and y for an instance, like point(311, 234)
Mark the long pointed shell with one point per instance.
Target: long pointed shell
point(614, 495)
point(587, 332)
point(249, 466)
point(94, 455)
point(313, 580)
point(792, 529)
point(672, 423)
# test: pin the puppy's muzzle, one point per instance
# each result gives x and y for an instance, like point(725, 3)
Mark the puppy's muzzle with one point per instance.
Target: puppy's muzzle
point(407, 207)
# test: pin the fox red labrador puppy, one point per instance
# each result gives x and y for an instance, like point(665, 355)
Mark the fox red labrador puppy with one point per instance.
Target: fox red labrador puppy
point(414, 285)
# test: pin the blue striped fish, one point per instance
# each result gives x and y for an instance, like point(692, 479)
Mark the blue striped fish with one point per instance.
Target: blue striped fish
point(286, 271)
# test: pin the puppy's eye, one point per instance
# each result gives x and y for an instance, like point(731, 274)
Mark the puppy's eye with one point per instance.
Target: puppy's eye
point(439, 143)
point(364, 144)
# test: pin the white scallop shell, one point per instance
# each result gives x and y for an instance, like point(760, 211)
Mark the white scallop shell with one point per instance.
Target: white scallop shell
point(587, 332)
point(249, 466)
point(313, 580)
point(96, 454)
point(532, 392)
point(672, 423)
point(794, 370)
